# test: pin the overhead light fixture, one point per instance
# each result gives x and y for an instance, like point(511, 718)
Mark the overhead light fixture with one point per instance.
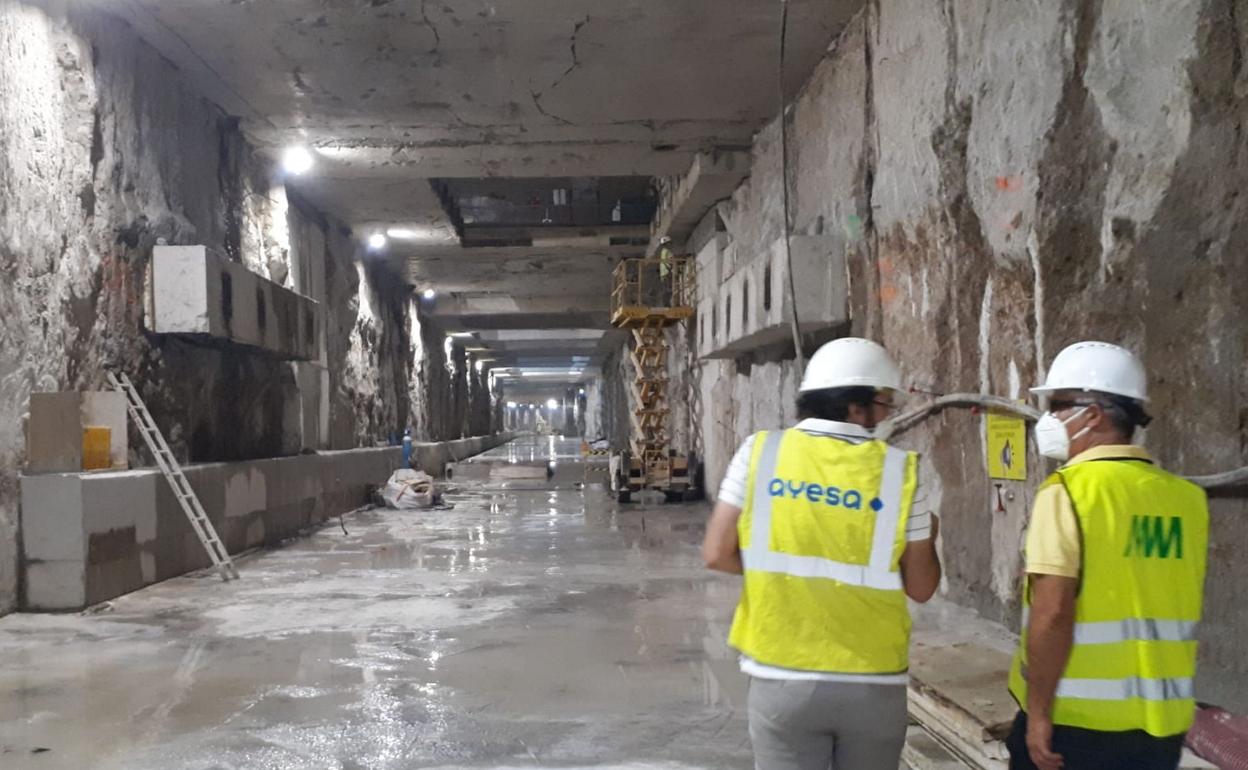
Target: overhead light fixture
point(297, 160)
point(429, 294)
point(582, 391)
point(402, 233)
point(479, 366)
point(511, 404)
point(460, 334)
point(377, 241)
point(552, 404)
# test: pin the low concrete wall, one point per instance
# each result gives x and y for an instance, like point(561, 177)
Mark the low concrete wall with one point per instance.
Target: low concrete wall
point(432, 458)
point(88, 537)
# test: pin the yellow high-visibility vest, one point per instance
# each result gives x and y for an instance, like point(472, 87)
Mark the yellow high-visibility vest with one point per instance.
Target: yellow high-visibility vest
point(821, 537)
point(1145, 537)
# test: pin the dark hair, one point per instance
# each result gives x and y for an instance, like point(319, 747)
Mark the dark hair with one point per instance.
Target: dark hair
point(833, 403)
point(1125, 414)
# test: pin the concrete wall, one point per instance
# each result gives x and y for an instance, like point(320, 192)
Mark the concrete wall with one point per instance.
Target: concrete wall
point(1009, 178)
point(103, 150)
point(89, 537)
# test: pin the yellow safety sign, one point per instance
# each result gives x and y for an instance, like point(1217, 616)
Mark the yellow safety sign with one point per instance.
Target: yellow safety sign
point(1007, 447)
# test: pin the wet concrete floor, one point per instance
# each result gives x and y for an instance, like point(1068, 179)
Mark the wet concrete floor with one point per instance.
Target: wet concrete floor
point(535, 624)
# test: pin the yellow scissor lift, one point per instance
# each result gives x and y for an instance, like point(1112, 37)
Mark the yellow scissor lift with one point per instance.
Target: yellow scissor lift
point(649, 295)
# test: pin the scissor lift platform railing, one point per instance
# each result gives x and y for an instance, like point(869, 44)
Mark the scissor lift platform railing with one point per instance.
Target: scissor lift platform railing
point(649, 295)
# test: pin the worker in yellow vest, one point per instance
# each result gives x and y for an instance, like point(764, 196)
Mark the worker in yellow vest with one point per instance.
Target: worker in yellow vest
point(1115, 554)
point(819, 519)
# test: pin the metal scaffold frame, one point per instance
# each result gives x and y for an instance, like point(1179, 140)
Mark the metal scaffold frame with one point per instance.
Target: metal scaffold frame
point(649, 296)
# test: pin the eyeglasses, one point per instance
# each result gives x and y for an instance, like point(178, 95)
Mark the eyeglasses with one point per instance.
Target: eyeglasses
point(1057, 405)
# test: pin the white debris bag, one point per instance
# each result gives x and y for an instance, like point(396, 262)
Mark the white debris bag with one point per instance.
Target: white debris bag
point(408, 490)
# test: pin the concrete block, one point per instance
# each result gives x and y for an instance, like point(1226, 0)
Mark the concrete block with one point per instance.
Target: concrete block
point(185, 298)
point(245, 492)
point(109, 579)
point(199, 294)
point(93, 536)
point(54, 433)
point(112, 545)
point(147, 565)
point(55, 585)
point(111, 500)
point(145, 513)
point(753, 302)
point(107, 408)
point(52, 527)
point(57, 421)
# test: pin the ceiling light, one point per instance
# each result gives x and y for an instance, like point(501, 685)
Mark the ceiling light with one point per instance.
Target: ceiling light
point(552, 404)
point(377, 241)
point(460, 334)
point(479, 365)
point(582, 391)
point(297, 160)
point(402, 233)
point(511, 404)
point(429, 294)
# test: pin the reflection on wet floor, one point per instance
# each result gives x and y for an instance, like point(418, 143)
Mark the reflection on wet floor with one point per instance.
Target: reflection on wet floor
point(535, 462)
point(526, 627)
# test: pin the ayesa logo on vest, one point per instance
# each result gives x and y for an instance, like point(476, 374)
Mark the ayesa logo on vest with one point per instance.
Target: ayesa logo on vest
point(818, 493)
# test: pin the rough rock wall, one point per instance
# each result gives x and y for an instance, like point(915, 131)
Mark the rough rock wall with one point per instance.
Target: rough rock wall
point(612, 399)
point(103, 150)
point(1009, 178)
point(450, 398)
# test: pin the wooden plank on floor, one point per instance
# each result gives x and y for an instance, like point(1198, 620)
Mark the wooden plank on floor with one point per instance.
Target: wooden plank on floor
point(923, 752)
point(970, 681)
point(958, 692)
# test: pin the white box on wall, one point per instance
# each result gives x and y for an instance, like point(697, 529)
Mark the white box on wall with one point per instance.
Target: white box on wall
point(198, 294)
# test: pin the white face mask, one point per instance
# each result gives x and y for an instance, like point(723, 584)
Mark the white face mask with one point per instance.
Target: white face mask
point(1051, 437)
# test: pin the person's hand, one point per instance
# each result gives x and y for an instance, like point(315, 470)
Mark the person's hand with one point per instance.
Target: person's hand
point(1040, 743)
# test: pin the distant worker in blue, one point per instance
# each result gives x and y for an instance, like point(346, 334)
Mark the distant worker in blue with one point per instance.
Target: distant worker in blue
point(819, 520)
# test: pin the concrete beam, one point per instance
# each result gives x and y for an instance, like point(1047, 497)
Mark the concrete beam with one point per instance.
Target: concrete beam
point(558, 237)
point(446, 158)
point(524, 320)
point(448, 308)
point(528, 335)
point(712, 177)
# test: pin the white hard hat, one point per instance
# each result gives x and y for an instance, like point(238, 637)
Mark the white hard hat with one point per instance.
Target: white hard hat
point(1097, 366)
point(851, 362)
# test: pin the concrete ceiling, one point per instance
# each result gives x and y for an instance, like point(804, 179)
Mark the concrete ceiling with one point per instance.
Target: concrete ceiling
point(391, 94)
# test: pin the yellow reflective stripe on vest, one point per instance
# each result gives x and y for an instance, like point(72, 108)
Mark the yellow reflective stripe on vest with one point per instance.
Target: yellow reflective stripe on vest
point(875, 574)
point(1129, 630)
point(1178, 688)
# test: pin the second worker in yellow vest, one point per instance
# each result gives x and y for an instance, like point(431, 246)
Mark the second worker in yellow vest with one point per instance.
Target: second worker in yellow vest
point(821, 521)
point(1116, 554)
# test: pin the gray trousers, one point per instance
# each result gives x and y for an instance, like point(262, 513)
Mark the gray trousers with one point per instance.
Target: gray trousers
point(797, 725)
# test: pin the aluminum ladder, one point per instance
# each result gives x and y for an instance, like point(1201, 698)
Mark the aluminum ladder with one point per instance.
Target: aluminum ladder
point(169, 466)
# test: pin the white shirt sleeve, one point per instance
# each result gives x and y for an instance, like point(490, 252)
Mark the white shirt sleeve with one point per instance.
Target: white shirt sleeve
point(732, 489)
point(919, 523)
point(918, 526)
